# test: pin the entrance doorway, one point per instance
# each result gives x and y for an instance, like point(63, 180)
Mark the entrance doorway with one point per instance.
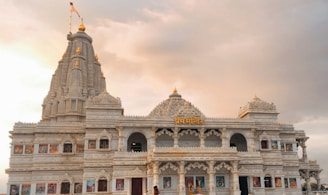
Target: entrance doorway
point(243, 185)
point(136, 186)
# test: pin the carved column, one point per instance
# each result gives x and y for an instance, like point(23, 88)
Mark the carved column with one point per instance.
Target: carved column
point(155, 173)
point(223, 137)
point(252, 144)
point(120, 139)
point(152, 143)
point(235, 179)
point(182, 190)
point(176, 137)
point(211, 173)
point(202, 138)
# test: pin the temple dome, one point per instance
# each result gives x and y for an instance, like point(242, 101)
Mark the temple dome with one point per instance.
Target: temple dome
point(175, 106)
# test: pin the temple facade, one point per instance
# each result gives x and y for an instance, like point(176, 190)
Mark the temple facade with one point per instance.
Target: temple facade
point(84, 144)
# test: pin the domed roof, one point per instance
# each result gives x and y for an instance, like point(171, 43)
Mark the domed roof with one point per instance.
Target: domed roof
point(175, 106)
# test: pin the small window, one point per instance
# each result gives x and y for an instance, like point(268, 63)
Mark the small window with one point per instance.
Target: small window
point(264, 144)
point(102, 185)
point(29, 149)
point(92, 144)
point(274, 145)
point(68, 148)
point(65, 188)
point(282, 146)
point(43, 148)
point(289, 147)
point(292, 183)
point(278, 182)
point(79, 148)
point(104, 144)
point(53, 148)
point(286, 182)
point(18, 149)
point(268, 182)
point(257, 182)
point(78, 188)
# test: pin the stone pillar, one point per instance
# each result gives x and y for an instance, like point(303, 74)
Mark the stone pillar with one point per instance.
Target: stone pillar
point(224, 138)
point(234, 189)
point(319, 184)
point(307, 180)
point(252, 138)
point(152, 141)
point(155, 173)
point(305, 158)
point(211, 173)
point(182, 189)
point(176, 137)
point(120, 139)
point(202, 138)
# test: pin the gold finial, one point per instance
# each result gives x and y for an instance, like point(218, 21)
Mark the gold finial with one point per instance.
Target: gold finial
point(76, 63)
point(102, 74)
point(78, 51)
point(81, 27)
point(63, 55)
point(175, 90)
point(96, 57)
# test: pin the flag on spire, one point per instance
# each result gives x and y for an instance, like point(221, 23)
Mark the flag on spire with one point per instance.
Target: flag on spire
point(74, 10)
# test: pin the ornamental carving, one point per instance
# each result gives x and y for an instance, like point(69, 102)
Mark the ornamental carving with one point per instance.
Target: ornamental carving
point(196, 165)
point(168, 166)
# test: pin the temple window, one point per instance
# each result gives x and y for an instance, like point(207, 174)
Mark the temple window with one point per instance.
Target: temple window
point(43, 148)
point(79, 148)
point(92, 144)
point(103, 144)
point(268, 182)
point(65, 187)
point(264, 144)
point(102, 185)
point(18, 149)
point(68, 148)
point(274, 145)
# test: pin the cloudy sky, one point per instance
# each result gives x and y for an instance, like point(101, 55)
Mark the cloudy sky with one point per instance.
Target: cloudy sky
point(218, 54)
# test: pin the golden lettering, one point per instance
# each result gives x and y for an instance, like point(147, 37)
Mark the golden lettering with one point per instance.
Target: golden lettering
point(189, 121)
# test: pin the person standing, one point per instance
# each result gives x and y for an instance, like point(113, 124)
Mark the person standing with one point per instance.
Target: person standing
point(156, 191)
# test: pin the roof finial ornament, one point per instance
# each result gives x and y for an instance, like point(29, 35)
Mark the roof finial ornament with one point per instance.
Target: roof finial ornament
point(175, 90)
point(96, 57)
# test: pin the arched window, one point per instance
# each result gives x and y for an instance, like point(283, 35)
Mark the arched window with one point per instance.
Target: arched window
point(65, 187)
point(137, 142)
point(239, 141)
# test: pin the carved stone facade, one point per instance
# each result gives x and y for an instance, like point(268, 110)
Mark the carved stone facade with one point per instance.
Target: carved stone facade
point(84, 144)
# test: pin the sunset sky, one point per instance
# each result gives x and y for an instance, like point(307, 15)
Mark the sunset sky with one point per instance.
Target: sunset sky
point(218, 54)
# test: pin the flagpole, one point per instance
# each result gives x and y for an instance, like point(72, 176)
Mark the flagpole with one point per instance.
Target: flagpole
point(70, 22)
